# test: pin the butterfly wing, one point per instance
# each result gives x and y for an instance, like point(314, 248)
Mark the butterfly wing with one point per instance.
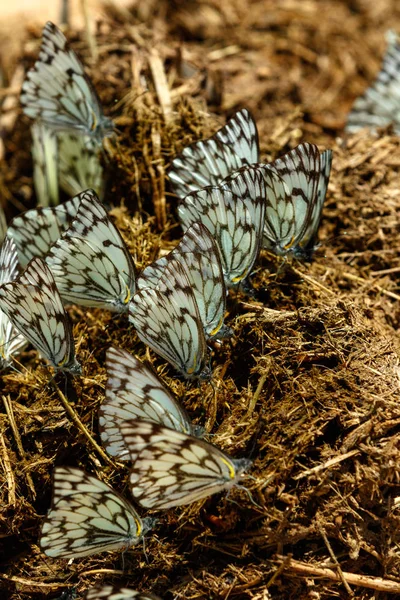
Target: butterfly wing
point(111, 592)
point(58, 91)
point(36, 230)
point(133, 390)
point(380, 103)
point(171, 468)
point(208, 162)
point(169, 322)
point(33, 305)
point(233, 213)
point(45, 164)
point(90, 262)
point(87, 517)
point(11, 342)
point(79, 164)
point(199, 256)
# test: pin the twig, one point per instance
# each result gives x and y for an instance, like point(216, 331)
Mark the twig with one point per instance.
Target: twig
point(257, 393)
point(352, 277)
point(31, 583)
point(10, 413)
point(161, 84)
point(329, 463)
point(373, 583)
point(76, 420)
point(313, 281)
point(9, 472)
point(335, 560)
point(91, 40)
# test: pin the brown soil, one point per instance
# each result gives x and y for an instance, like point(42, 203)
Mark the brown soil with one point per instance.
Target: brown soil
point(309, 386)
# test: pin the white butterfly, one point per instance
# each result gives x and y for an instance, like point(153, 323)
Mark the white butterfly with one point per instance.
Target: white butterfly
point(199, 255)
point(296, 189)
point(59, 93)
point(380, 104)
point(133, 390)
point(111, 592)
point(233, 212)
point(36, 230)
point(208, 162)
point(66, 160)
point(11, 342)
point(170, 468)
point(34, 307)
point(169, 322)
point(90, 262)
point(88, 517)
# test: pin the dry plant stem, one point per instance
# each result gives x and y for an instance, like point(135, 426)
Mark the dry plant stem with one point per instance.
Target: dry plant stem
point(8, 471)
point(9, 109)
point(91, 40)
point(31, 583)
point(335, 560)
point(373, 285)
point(161, 84)
point(257, 393)
point(10, 413)
point(313, 282)
point(329, 463)
point(372, 583)
point(76, 420)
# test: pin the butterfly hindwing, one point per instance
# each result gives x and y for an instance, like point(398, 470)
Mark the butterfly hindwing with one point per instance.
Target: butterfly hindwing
point(133, 390)
point(88, 517)
point(33, 305)
point(112, 592)
point(58, 91)
point(170, 468)
point(45, 164)
point(169, 322)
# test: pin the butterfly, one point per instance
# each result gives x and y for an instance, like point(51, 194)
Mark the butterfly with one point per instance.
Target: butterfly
point(87, 517)
point(199, 255)
point(171, 468)
point(208, 162)
point(380, 104)
point(34, 307)
point(62, 159)
point(90, 262)
point(233, 213)
point(169, 322)
point(59, 93)
point(36, 230)
point(296, 190)
point(11, 342)
point(133, 390)
point(111, 592)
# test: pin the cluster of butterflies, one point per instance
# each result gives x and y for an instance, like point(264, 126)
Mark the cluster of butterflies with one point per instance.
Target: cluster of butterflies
point(230, 205)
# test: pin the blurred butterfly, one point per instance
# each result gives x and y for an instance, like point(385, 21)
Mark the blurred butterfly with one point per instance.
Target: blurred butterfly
point(133, 390)
point(34, 307)
point(233, 213)
point(296, 190)
point(379, 105)
point(66, 160)
point(36, 230)
point(59, 93)
point(88, 517)
point(11, 342)
point(90, 262)
point(171, 468)
point(208, 162)
point(112, 592)
point(169, 321)
point(199, 255)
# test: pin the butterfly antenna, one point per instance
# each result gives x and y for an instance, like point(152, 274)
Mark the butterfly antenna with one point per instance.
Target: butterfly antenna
point(243, 487)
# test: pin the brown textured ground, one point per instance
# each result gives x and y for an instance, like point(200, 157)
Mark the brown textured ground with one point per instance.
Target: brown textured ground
point(309, 387)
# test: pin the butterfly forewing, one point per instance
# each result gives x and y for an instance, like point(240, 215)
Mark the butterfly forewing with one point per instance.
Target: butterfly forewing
point(208, 162)
point(199, 256)
point(111, 592)
point(33, 305)
point(87, 517)
point(90, 262)
point(45, 163)
point(133, 390)
point(36, 230)
point(379, 106)
point(57, 90)
point(169, 322)
point(170, 468)
point(11, 342)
